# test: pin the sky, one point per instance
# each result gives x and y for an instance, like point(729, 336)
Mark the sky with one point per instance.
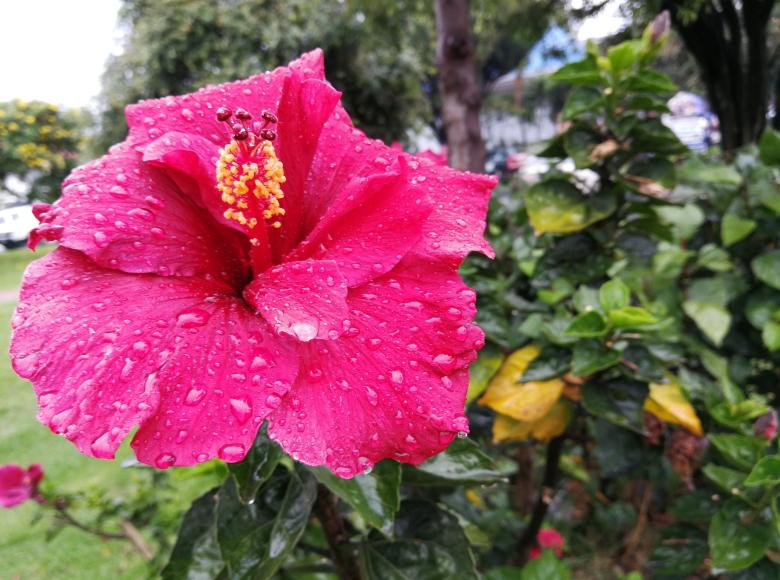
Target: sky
point(55, 50)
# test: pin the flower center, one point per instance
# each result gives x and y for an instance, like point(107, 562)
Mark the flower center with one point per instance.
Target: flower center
point(249, 173)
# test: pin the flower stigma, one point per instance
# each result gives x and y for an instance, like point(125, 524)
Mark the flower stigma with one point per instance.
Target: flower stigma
point(249, 173)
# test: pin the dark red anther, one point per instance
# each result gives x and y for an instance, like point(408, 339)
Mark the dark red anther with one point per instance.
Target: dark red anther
point(223, 114)
point(269, 116)
point(268, 134)
point(239, 133)
point(243, 114)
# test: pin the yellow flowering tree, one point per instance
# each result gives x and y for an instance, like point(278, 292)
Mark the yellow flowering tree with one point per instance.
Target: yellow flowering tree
point(39, 145)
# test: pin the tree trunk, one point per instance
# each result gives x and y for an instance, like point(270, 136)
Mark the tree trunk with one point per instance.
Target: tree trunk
point(728, 39)
point(460, 94)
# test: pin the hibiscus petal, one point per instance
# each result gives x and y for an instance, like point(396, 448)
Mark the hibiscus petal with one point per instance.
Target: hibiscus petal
point(127, 216)
point(394, 385)
point(304, 107)
point(457, 222)
point(106, 351)
point(195, 113)
point(305, 299)
point(363, 229)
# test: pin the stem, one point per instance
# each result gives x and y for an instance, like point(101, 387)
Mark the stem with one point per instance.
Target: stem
point(129, 532)
point(553, 459)
point(336, 535)
point(62, 512)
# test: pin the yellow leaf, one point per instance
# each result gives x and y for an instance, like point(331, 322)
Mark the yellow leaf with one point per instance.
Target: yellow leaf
point(668, 403)
point(481, 372)
point(549, 426)
point(522, 401)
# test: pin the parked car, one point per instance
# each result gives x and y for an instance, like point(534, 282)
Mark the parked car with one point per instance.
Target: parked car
point(15, 225)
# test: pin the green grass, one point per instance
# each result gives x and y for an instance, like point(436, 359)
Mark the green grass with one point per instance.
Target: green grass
point(25, 552)
point(13, 263)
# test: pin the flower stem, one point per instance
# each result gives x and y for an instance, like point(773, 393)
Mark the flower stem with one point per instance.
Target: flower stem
point(129, 532)
point(336, 535)
point(553, 459)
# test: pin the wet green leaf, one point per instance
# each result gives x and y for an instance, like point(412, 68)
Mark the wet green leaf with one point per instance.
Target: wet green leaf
point(766, 267)
point(256, 539)
point(619, 401)
point(375, 496)
point(556, 206)
point(725, 478)
point(734, 228)
point(545, 567)
point(196, 553)
point(741, 451)
point(631, 317)
point(769, 147)
point(462, 462)
point(588, 324)
point(257, 466)
point(590, 356)
point(614, 295)
point(429, 543)
point(680, 551)
point(765, 472)
point(737, 537)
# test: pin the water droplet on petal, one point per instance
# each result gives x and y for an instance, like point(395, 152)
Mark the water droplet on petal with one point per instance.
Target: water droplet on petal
point(165, 460)
point(102, 447)
point(232, 452)
point(241, 408)
point(194, 396)
point(192, 318)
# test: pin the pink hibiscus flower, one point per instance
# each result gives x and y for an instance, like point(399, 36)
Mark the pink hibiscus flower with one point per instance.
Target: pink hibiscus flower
point(547, 539)
point(17, 484)
point(247, 254)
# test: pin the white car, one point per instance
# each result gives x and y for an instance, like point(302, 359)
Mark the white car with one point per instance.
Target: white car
point(16, 223)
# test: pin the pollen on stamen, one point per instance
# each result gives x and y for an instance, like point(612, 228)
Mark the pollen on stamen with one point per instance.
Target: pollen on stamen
point(249, 173)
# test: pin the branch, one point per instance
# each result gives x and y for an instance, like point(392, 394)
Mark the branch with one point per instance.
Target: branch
point(336, 535)
point(553, 460)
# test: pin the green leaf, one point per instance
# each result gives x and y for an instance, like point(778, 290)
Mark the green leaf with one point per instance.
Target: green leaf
point(614, 295)
point(590, 356)
point(771, 335)
point(769, 147)
point(196, 553)
point(624, 56)
point(429, 544)
point(482, 370)
point(556, 206)
point(619, 401)
point(697, 171)
point(767, 191)
point(503, 573)
point(765, 472)
point(561, 288)
point(766, 267)
point(631, 317)
point(713, 320)
point(695, 507)
point(737, 537)
point(461, 463)
point(714, 258)
point(375, 496)
point(581, 100)
point(680, 551)
point(726, 479)
point(761, 306)
point(580, 141)
point(551, 363)
point(685, 220)
point(651, 81)
point(256, 539)
point(257, 466)
point(584, 72)
point(734, 228)
point(588, 324)
point(545, 567)
point(741, 451)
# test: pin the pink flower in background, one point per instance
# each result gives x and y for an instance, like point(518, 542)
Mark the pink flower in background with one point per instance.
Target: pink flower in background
point(247, 254)
point(17, 484)
point(547, 539)
point(766, 425)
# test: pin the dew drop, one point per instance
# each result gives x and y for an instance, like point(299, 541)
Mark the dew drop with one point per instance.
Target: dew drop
point(231, 452)
point(165, 460)
point(194, 396)
point(241, 408)
point(192, 318)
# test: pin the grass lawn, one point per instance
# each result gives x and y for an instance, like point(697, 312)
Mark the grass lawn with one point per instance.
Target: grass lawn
point(24, 551)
